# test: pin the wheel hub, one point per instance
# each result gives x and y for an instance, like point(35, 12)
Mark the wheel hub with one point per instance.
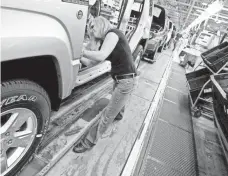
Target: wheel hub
point(18, 129)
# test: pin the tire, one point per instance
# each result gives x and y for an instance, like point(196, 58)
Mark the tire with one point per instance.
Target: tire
point(153, 56)
point(21, 99)
point(138, 53)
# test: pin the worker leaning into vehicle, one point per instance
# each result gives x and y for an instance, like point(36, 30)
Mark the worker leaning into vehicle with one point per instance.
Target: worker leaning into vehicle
point(116, 49)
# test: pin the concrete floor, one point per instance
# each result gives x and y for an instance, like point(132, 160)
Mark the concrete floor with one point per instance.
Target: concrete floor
point(210, 157)
point(170, 149)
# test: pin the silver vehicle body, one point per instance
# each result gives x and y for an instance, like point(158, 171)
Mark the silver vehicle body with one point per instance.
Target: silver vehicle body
point(54, 28)
point(35, 28)
point(159, 36)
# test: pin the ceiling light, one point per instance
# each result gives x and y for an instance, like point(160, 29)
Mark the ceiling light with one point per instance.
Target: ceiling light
point(199, 10)
point(204, 3)
point(211, 10)
point(214, 7)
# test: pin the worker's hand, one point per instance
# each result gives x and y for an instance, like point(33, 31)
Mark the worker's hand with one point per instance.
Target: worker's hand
point(83, 52)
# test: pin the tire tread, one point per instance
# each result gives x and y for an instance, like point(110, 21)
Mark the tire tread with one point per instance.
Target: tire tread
point(23, 83)
point(26, 84)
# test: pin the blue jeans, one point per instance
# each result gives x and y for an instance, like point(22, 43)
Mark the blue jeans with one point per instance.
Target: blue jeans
point(122, 89)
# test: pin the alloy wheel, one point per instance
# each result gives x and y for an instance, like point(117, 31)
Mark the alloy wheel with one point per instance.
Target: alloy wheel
point(18, 130)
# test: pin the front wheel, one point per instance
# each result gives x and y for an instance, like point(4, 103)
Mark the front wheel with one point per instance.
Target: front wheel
point(25, 111)
point(137, 55)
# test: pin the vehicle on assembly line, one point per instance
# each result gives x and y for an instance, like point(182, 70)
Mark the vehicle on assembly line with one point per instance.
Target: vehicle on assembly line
point(40, 66)
point(158, 31)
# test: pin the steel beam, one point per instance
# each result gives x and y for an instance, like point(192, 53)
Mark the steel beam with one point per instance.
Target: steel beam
point(200, 8)
point(192, 14)
point(189, 12)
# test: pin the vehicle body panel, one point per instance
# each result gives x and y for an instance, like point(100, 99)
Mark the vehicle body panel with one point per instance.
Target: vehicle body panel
point(63, 12)
point(20, 40)
point(158, 28)
point(53, 27)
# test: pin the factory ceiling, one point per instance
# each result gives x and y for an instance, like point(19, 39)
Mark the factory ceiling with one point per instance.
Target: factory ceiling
point(183, 12)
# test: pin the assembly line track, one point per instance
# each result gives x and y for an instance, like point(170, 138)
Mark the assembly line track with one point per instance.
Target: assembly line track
point(81, 99)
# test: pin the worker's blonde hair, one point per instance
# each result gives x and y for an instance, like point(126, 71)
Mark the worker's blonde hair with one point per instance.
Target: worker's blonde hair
point(103, 24)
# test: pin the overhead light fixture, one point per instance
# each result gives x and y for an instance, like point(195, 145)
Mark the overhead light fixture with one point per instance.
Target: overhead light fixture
point(199, 10)
point(204, 3)
point(211, 10)
point(214, 7)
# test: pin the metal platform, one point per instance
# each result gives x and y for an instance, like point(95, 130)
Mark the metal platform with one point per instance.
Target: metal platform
point(170, 149)
point(177, 144)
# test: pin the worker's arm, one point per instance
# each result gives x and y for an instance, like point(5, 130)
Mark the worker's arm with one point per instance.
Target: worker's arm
point(107, 47)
